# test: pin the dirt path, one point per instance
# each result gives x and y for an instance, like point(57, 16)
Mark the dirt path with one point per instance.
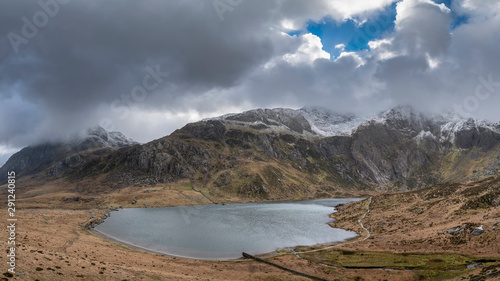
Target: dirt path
point(360, 221)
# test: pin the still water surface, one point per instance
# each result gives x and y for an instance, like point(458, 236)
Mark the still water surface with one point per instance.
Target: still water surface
point(217, 232)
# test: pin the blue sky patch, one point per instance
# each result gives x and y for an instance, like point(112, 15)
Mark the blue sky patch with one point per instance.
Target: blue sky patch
point(456, 19)
point(356, 37)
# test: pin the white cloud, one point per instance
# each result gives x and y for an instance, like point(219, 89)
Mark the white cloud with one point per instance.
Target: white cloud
point(348, 9)
point(478, 7)
point(433, 63)
point(289, 25)
point(421, 63)
point(352, 56)
point(309, 51)
point(382, 49)
point(375, 44)
point(6, 152)
point(422, 27)
point(295, 13)
point(340, 47)
point(342, 10)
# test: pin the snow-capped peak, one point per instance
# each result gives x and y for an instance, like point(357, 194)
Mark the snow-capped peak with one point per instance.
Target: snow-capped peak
point(327, 123)
point(99, 137)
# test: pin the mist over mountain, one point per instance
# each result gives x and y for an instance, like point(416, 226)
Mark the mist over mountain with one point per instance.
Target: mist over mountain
point(59, 156)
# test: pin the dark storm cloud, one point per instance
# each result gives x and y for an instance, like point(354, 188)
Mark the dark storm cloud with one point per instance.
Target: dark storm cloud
point(84, 52)
point(70, 57)
point(93, 52)
point(83, 64)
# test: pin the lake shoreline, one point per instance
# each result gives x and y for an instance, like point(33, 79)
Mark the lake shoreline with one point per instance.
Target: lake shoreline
point(133, 247)
point(273, 253)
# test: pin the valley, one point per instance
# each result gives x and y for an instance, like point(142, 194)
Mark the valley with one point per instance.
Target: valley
point(411, 232)
point(431, 183)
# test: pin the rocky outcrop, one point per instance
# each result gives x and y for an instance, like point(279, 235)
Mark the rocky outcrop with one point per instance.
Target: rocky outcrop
point(289, 118)
point(477, 231)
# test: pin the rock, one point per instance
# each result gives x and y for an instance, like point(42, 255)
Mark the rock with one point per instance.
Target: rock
point(455, 231)
point(474, 265)
point(133, 202)
point(478, 231)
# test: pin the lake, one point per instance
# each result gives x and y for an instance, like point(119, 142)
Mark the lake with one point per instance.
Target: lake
point(221, 232)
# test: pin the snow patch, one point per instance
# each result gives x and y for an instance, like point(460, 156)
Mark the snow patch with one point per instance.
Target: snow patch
point(424, 135)
point(327, 123)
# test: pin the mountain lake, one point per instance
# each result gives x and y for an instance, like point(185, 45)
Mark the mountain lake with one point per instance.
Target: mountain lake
point(223, 232)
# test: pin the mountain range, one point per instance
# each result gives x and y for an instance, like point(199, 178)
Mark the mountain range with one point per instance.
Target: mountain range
point(277, 154)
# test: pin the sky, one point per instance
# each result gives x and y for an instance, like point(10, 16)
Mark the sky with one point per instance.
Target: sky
point(146, 68)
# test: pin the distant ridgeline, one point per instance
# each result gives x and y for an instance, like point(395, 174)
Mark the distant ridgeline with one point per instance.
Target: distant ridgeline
point(267, 152)
point(52, 159)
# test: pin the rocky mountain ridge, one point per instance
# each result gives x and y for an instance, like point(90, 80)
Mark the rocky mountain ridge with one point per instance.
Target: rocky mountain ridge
point(322, 122)
point(282, 153)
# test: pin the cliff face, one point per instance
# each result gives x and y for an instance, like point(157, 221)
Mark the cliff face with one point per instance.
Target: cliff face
point(405, 150)
point(284, 153)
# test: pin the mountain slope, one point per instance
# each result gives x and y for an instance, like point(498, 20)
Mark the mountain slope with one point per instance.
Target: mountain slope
point(285, 153)
point(53, 158)
point(443, 215)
